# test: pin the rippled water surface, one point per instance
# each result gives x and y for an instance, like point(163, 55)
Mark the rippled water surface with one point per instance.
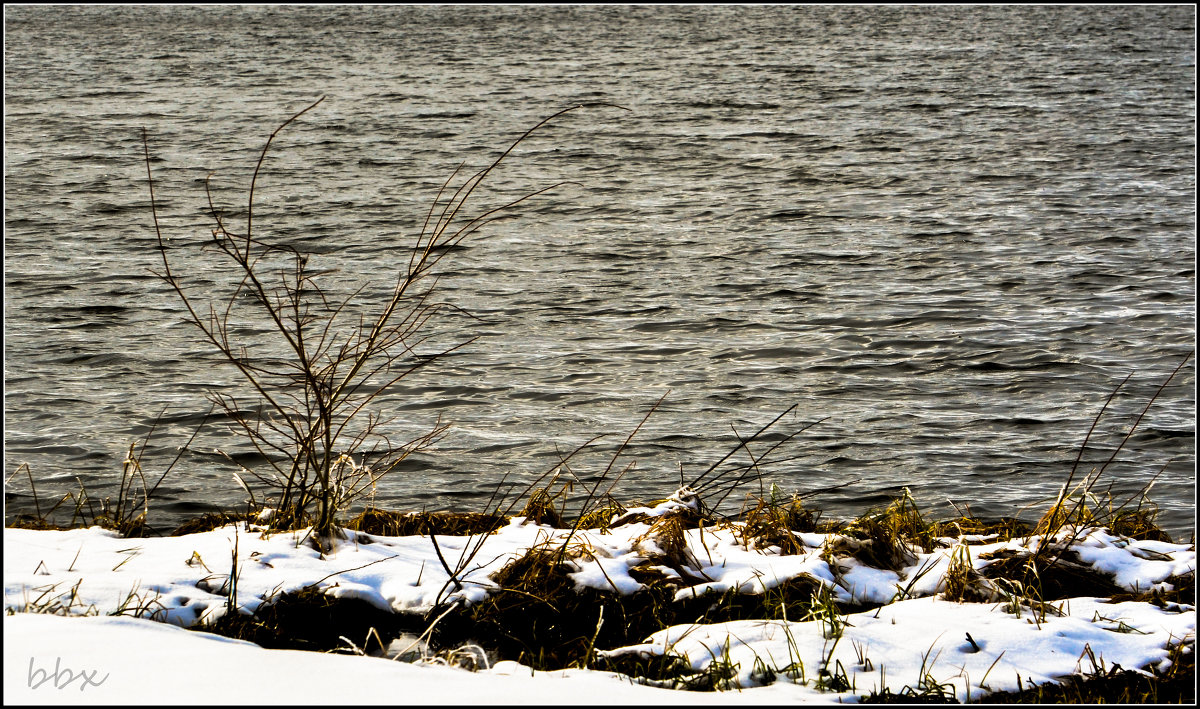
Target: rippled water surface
point(947, 234)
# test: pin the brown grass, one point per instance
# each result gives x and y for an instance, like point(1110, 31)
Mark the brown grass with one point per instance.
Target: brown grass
point(408, 524)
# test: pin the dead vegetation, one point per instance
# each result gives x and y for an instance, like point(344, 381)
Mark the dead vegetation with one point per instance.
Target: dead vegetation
point(308, 619)
point(405, 524)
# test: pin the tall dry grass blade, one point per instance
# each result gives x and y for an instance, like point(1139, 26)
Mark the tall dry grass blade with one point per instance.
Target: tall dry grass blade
point(696, 482)
point(1058, 516)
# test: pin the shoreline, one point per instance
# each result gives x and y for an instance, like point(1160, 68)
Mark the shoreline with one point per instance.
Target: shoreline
point(775, 606)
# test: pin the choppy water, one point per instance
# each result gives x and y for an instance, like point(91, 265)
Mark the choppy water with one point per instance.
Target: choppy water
point(948, 232)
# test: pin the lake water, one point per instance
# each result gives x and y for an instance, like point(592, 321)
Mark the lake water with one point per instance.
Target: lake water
point(947, 233)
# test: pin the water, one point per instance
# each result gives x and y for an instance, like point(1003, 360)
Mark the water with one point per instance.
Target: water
point(946, 233)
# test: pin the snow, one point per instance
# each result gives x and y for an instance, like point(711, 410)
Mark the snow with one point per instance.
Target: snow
point(139, 661)
point(918, 641)
point(88, 601)
point(1133, 565)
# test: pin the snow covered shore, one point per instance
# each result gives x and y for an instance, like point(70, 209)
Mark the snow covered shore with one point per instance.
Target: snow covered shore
point(132, 660)
point(134, 590)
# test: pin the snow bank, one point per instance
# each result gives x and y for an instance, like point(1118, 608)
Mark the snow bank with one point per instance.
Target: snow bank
point(914, 638)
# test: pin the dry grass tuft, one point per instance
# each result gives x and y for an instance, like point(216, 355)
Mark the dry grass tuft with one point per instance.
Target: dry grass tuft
point(885, 539)
point(1138, 524)
point(772, 524)
point(28, 521)
point(540, 509)
point(963, 582)
point(646, 668)
point(601, 517)
point(1004, 528)
point(309, 619)
point(210, 521)
point(538, 569)
point(1066, 577)
point(535, 616)
point(410, 524)
point(668, 535)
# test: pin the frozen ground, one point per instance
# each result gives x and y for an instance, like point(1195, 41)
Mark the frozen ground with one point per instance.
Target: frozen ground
point(132, 596)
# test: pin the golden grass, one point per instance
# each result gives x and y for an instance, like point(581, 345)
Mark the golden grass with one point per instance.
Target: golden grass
point(405, 524)
point(770, 524)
